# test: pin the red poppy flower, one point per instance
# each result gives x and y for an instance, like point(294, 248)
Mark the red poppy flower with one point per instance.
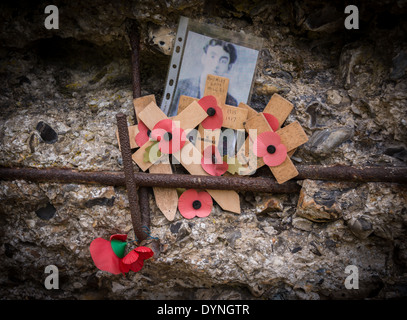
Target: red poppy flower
point(143, 135)
point(109, 255)
point(171, 138)
point(215, 114)
point(212, 162)
point(268, 147)
point(272, 120)
point(192, 203)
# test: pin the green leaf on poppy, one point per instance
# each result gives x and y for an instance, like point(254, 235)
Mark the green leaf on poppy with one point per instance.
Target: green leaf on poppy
point(234, 165)
point(118, 247)
point(152, 153)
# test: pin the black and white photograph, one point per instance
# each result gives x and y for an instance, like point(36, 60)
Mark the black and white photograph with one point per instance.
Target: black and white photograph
point(208, 50)
point(203, 56)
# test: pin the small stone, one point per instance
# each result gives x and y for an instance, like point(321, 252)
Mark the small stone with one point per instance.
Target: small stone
point(399, 66)
point(33, 141)
point(397, 152)
point(324, 142)
point(48, 135)
point(269, 204)
point(327, 19)
point(162, 39)
point(267, 89)
point(302, 224)
point(333, 97)
point(360, 227)
point(317, 204)
point(117, 287)
point(296, 249)
point(47, 212)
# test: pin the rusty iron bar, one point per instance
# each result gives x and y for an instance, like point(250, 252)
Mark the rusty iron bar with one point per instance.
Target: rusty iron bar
point(129, 176)
point(134, 37)
point(113, 178)
point(349, 173)
point(238, 183)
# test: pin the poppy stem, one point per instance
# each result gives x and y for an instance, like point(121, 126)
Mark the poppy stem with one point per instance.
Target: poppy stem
point(148, 233)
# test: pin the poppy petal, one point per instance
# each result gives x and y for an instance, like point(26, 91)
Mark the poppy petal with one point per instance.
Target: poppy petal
point(206, 204)
point(221, 168)
point(144, 252)
point(161, 128)
point(120, 237)
point(103, 256)
point(124, 268)
point(178, 136)
point(185, 203)
point(178, 140)
point(272, 120)
point(214, 169)
point(142, 136)
point(215, 121)
point(263, 141)
point(277, 158)
point(208, 102)
point(165, 124)
point(268, 138)
point(131, 257)
point(137, 266)
point(259, 148)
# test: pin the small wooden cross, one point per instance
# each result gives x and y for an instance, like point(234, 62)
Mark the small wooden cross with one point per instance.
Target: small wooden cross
point(233, 117)
point(292, 136)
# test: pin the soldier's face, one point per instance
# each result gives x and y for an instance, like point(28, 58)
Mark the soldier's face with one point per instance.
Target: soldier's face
point(215, 61)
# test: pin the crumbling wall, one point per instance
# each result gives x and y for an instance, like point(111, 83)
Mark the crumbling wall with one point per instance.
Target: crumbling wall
point(349, 91)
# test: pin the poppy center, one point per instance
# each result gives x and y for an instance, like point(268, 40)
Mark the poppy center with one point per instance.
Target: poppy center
point(271, 149)
point(196, 204)
point(211, 112)
point(168, 136)
point(149, 133)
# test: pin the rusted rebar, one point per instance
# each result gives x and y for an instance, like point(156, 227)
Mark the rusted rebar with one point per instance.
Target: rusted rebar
point(134, 37)
point(238, 183)
point(129, 176)
point(350, 173)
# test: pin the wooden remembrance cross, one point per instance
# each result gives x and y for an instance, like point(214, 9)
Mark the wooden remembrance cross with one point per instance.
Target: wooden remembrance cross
point(292, 136)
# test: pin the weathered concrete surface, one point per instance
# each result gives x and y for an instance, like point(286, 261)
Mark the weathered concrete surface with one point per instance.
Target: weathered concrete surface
point(349, 91)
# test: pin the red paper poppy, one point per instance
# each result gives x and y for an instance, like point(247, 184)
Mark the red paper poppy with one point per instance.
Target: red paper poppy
point(171, 138)
point(215, 114)
point(109, 255)
point(212, 162)
point(268, 147)
point(272, 120)
point(192, 203)
point(143, 135)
